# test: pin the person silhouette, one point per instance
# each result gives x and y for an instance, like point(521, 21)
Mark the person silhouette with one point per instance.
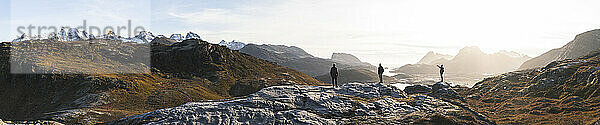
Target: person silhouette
point(441, 71)
point(380, 73)
point(334, 75)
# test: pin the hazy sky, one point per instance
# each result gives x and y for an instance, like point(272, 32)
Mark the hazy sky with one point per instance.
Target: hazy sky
point(393, 32)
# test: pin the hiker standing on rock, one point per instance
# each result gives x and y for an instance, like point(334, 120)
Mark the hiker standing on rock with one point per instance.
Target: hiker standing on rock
point(380, 72)
point(334, 75)
point(441, 71)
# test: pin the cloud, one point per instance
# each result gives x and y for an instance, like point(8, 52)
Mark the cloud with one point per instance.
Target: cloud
point(207, 16)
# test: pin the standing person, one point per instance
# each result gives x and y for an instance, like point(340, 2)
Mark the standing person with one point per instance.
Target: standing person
point(334, 75)
point(441, 71)
point(380, 72)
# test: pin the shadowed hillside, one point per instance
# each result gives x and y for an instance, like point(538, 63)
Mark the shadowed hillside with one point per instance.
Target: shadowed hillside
point(581, 45)
point(192, 70)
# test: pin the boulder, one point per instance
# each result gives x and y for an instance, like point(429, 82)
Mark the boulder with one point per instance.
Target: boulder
point(417, 89)
point(442, 90)
point(440, 85)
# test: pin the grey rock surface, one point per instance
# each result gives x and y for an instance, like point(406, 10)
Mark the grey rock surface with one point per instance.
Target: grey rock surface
point(417, 89)
point(352, 103)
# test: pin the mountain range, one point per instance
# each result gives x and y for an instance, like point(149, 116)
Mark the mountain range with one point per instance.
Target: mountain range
point(468, 60)
point(296, 58)
point(74, 34)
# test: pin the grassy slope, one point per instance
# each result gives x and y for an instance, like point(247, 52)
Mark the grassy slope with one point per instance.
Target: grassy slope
point(564, 92)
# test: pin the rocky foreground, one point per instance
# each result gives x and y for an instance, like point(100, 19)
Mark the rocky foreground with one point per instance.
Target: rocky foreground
point(352, 103)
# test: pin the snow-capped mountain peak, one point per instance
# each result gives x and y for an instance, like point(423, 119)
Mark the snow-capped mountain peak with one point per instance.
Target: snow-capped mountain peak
point(110, 35)
point(71, 34)
point(145, 36)
point(91, 36)
point(176, 37)
point(23, 37)
point(191, 35)
point(233, 45)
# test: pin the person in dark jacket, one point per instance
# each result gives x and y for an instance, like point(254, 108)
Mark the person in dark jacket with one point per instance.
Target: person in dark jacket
point(334, 75)
point(441, 71)
point(380, 72)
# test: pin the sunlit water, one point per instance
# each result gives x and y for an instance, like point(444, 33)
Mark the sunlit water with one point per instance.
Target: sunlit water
point(401, 86)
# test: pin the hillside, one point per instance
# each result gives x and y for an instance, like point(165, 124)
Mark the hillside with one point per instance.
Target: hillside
point(296, 58)
point(581, 45)
point(562, 92)
point(192, 70)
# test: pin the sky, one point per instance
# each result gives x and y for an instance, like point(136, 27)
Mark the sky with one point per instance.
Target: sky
point(391, 32)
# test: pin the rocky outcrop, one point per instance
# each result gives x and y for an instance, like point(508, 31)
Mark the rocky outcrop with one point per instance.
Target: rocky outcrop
point(440, 89)
point(417, 89)
point(581, 45)
point(352, 103)
point(562, 92)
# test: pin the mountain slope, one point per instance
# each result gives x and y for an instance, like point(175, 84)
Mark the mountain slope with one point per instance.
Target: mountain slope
point(192, 70)
point(581, 45)
point(296, 58)
point(562, 92)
